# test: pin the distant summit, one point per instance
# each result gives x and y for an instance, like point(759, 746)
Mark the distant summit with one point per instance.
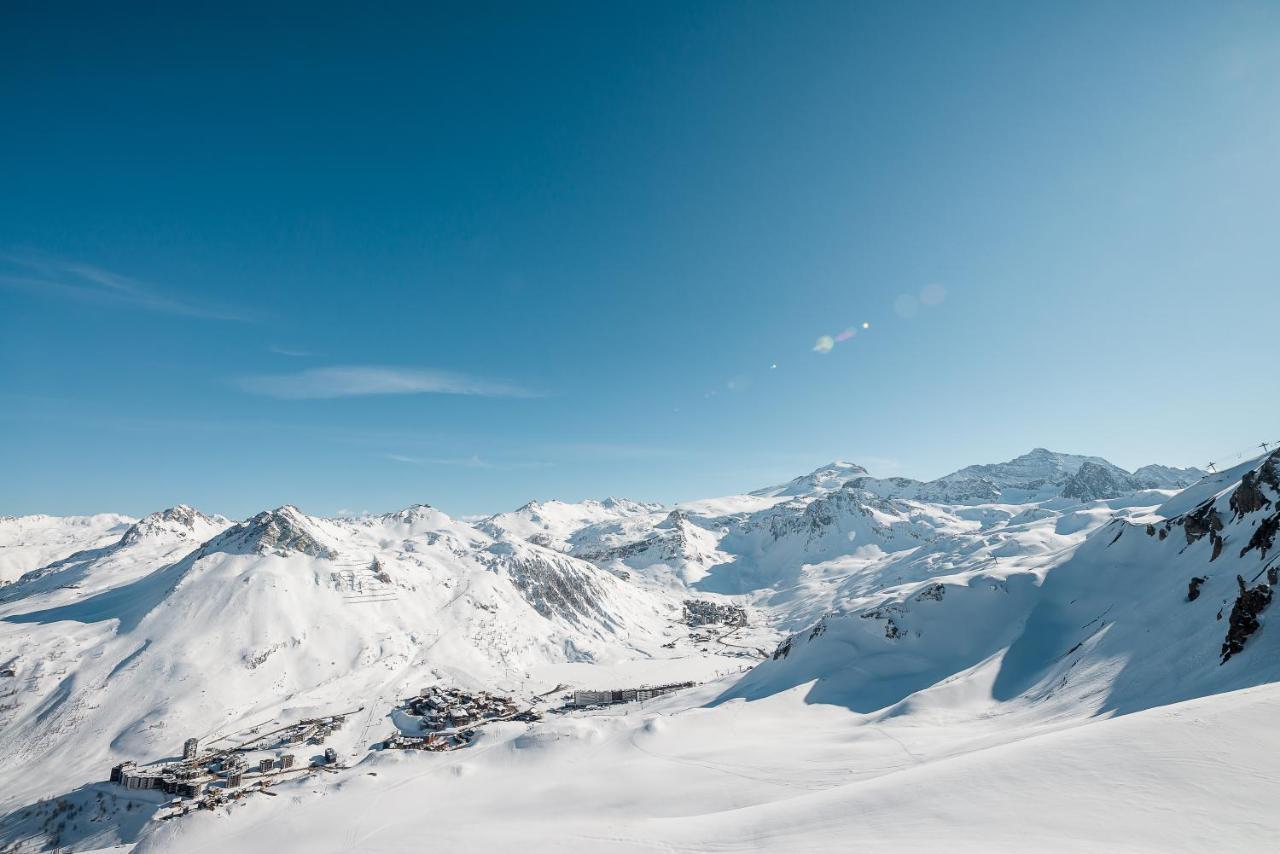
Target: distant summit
point(1038, 475)
point(822, 479)
point(284, 529)
point(1166, 477)
point(1094, 482)
point(182, 521)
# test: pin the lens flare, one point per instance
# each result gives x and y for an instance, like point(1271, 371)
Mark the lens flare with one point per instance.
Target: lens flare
point(906, 306)
point(847, 334)
point(933, 294)
point(824, 344)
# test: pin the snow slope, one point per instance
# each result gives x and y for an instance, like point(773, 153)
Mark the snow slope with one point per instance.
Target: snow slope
point(1196, 776)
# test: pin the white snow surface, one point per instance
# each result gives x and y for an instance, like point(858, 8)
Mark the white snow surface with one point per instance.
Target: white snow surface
point(1008, 669)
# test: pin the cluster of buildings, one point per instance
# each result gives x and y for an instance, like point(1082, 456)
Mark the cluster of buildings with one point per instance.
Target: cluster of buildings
point(195, 775)
point(448, 717)
point(312, 731)
point(446, 708)
point(700, 612)
point(434, 741)
point(214, 773)
point(185, 781)
point(625, 695)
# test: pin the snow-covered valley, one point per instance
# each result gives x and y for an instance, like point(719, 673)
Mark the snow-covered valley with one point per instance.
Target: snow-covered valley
point(1051, 653)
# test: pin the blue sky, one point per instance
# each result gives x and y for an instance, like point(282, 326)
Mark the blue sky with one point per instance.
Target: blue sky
point(354, 258)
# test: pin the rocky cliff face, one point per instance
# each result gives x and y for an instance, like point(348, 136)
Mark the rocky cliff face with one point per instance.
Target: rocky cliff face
point(283, 529)
point(1167, 477)
point(182, 521)
point(560, 587)
point(1093, 482)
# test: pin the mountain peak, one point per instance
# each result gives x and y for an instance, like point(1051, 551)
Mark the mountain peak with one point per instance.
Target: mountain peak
point(284, 529)
point(1093, 482)
point(825, 478)
point(413, 511)
point(1167, 477)
point(181, 520)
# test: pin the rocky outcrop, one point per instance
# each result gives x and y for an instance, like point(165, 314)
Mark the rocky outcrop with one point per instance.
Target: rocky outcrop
point(1243, 620)
point(674, 519)
point(783, 650)
point(1251, 496)
point(1204, 521)
point(554, 584)
point(821, 514)
point(892, 630)
point(1264, 536)
point(283, 529)
point(933, 592)
point(1248, 496)
point(182, 520)
point(1094, 482)
point(1193, 587)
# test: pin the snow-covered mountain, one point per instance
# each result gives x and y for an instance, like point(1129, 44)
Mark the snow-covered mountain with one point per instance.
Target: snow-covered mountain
point(1093, 481)
point(782, 544)
point(1038, 475)
point(181, 523)
point(900, 635)
point(176, 637)
point(823, 479)
point(553, 523)
point(1146, 610)
point(30, 542)
point(1167, 477)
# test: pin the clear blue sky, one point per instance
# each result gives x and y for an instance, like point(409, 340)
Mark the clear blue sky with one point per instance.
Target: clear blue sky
point(354, 258)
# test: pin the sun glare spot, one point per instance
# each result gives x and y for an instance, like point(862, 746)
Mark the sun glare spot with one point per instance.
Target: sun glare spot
point(906, 306)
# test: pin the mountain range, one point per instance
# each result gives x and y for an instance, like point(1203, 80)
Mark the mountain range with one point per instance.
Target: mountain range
point(912, 650)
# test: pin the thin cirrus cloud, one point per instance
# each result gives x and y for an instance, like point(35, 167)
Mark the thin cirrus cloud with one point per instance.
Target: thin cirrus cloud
point(291, 352)
point(81, 282)
point(472, 462)
point(361, 381)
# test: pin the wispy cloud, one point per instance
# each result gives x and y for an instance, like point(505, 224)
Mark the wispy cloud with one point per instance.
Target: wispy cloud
point(587, 450)
point(86, 283)
point(472, 462)
point(357, 381)
point(289, 351)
